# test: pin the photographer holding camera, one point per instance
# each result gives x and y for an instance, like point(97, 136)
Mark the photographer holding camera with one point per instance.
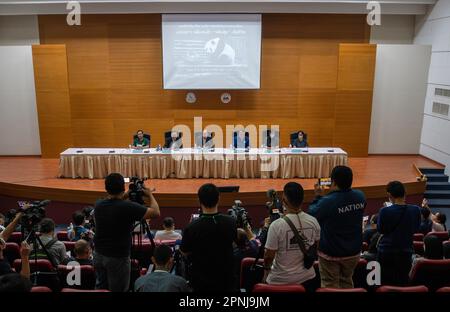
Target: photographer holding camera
point(25, 249)
point(208, 241)
point(114, 220)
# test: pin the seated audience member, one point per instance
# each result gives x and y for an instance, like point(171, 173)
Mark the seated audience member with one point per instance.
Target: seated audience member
point(439, 220)
point(5, 267)
point(446, 251)
point(25, 249)
point(2, 222)
point(397, 224)
point(208, 242)
point(245, 246)
point(55, 248)
point(140, 141)
point(77, 230)
point(169, 231)
point(432, 250)
point(13, 282)
point(240, 140)
point(82, 253)
point(175, 141)
point(300, 141)
point(161, 280)
point(371, 229)
point(283, 257)
point(426, 224)
point(340, 215)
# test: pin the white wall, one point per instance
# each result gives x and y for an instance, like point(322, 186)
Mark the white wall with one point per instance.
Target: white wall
point(394, 29)
point(19, 130)
point(434, 29)
point(400, 87)
point(19, 30)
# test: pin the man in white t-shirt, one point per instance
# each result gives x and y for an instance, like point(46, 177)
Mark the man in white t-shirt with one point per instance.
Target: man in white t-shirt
point(283, 259)
point(169, 231)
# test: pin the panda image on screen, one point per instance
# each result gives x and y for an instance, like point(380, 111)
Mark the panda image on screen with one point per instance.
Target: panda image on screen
point(220, 53)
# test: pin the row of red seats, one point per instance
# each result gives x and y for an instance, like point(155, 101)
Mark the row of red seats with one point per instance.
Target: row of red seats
point(47, 290)
point(265, 288)
point(434, 274)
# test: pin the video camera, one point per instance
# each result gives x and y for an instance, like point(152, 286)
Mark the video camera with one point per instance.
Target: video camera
point(32, 214)
point(136, 190)
point(274, 206)
point(240, 214)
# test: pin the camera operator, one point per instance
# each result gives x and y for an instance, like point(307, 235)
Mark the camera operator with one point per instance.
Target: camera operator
point(208, 241)
point(5, 268)
point(114, 220)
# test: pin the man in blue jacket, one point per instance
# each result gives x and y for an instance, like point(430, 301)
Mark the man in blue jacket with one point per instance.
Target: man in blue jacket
point(397, 224)
point(340, 215)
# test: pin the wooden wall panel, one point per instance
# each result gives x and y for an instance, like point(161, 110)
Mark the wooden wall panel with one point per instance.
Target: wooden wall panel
point(115, 79)
point(52, 98)
point(353, 107)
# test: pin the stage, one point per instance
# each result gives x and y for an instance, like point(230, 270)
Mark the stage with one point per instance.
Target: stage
point(36, 178)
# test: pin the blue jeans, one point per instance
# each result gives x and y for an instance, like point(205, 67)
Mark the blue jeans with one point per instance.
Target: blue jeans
point(112, 273)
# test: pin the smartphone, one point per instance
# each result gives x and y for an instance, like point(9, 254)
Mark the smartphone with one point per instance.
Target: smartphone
point(326, 182)
point(387, 204)
point(127, 180)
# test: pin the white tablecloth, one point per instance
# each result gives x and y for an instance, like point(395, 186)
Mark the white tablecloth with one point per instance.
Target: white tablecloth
point(96, 163)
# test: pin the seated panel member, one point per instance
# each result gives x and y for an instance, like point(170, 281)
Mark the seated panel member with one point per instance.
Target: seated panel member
point(175, 141)
point(140, 141)
point(207, 139)
point(241, 140)
point(300, 141)
point(273, 139)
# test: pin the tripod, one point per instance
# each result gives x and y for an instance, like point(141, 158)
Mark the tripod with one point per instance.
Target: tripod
point(36, 241)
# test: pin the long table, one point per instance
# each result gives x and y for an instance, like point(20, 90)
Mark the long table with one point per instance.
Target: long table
point(97, 163)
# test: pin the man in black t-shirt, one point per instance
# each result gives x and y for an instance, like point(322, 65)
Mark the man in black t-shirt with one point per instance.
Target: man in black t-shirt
point(208, 241)
point(114, 220)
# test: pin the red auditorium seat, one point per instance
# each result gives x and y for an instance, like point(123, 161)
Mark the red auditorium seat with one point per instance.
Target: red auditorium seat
point(432, 273)
point(418, 248)
point(247, 281)
point(403, 289)
point(264, 288)
point(142, 252)
point(12, 251)
point(62, 236)
point(40, 289)
point(15, 237)
point(341, 290)
point(65, 290)
point(47, 274)
point(360, 274)
point(170, 243)
point(443, 290)
point(418, 237)
point(69, 245)
point(87, 277)
point(42, 265)
point(442, 235)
